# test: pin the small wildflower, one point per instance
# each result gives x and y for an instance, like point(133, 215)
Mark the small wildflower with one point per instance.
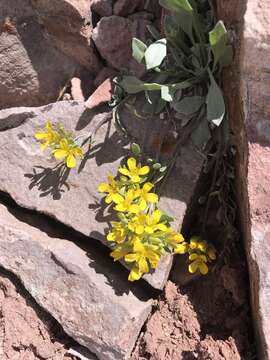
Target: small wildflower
point(68, 152)
point(153, 223)
point(111, 188)
point(146, 196)
point(134, 171)
point(198, 262)
point(118, 232)
point(48, 137)
point(126, 203)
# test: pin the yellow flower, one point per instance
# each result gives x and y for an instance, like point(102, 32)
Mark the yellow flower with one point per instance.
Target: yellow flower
point(126, 204)
point(69, 152)
point(112, 188)
point(141, 254)
point(211, 252)
point(134, 171)
point(145, 194)
point(118, 233)
point(173, 238)
point(135, 274)
point(198, 263)
point(137, 224)
point(48, 136)
point(153, 223)
point(120, 251)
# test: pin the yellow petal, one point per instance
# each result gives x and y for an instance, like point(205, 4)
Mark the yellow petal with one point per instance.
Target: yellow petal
point(118, 198)
point(71, 161)
point(156, 216)
point(144, 170)
point(161, 227)
point(131, 257)
point(78, 152)
point(139, 229)
point(111, 236)
point(135, 274)
point(142, 205)
point(131, 164)
point(49, 125)
point(193, 267)
point(138, 246)
point(193, 257)
point(103, 187)
point(143, 266)
point(203, 268)
point(134, 209)
point(151, 197)
point(41, 135)
point(180, 249)
point(120, 208)
point(147, 187)
point(123, 171)
point(108, 199)
point(60, 153)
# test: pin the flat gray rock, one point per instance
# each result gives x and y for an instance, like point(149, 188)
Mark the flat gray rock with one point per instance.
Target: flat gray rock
point(34, 181)
point(78, 286)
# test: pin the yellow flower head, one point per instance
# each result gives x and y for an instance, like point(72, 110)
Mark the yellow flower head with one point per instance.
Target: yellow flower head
point(120, 251)
point(198, 263)
point(126, 203)
point(118, 233)
point(48, 137)
point(111, 188)
point(134, 171)
point(68, 152)
point(146, 196)
point(153, 223)
point(141, 255)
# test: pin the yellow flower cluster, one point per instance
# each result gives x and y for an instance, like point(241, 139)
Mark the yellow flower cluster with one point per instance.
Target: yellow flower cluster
point(63, 145)
point(143, 233)
point(200, 253)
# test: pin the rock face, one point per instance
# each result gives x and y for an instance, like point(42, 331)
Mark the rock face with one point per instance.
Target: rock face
point(35, 181)
point(81, 289)
point(250, 120)
point(32, 71)
point(116, 50)
point(69, 24)
point(102, 7)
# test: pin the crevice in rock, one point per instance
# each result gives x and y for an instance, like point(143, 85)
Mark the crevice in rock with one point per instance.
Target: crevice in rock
point(55, 229)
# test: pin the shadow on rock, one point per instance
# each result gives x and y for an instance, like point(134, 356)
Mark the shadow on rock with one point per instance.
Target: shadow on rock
point(50, 181)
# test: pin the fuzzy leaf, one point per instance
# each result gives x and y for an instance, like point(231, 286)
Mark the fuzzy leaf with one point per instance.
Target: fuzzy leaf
point(218, 39)
point(138, 49)
point(189, 105)
point(201, 135)
point(215, 103)
point(155, 54)
point(176, 5)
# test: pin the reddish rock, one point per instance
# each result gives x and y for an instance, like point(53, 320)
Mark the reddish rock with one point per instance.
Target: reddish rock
point(104, 74)
point(76, 89)
point(103, 94)
point(102, 7)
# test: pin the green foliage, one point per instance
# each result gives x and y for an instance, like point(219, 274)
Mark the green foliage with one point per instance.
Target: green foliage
point(190, 59)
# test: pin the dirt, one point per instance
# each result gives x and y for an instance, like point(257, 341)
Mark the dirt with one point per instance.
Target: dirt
point(26, 332)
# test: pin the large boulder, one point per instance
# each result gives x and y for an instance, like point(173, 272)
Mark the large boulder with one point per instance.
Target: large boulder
point(69, 24)
point(34, 181)
point(75, 283)
point(247, 87)
point(117, 50)
point(32, 71)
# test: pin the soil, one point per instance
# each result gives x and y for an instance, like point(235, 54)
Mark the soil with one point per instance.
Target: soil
point(26, 332)
point(209, 319)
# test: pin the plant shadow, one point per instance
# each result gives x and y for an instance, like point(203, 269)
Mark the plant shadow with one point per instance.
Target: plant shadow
point(49, 181)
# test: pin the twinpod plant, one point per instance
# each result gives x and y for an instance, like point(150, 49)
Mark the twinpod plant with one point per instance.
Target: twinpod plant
point(183, 66)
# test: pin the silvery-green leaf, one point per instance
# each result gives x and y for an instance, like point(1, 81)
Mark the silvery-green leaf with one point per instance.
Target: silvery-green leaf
point(131, 84)
point(201, 135)
point(176, 5)
point(138, 49)
point(155, 54)
point(218, 39)
point(215, 102)
point(189, 105)
point(136, 149)
point(227, 57)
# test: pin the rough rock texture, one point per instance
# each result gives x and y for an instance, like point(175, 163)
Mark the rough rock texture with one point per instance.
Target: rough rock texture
point(247, 88)
point(102, 7)
point(34, 181)
point(69, 24)
point(203, 321)
point(116, 50)
point(32, 71)
point(27, 333)
point(81, 289)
